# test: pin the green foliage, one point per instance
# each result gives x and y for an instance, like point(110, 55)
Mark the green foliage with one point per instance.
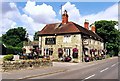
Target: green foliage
point(13, 50)
point(14, 37)
point(111, 36)
point(0, 39)
point(36, 38)
point(8, 57)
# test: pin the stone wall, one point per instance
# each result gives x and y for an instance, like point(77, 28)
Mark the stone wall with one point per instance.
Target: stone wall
point(76, 42)
point(24, 64)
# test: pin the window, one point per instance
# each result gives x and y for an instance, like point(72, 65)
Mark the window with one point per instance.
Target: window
point(48, 51)
point(91, 41)
point(95, 42)
point(98, 42)
point(85, 42)
point(67, 39)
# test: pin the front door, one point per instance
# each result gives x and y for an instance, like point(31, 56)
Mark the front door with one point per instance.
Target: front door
point(67, 51)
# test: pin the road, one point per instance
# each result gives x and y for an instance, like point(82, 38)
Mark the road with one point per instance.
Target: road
point(103, 70)
point(98, 70)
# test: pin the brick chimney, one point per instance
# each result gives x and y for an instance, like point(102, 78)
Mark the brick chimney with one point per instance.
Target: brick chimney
point(65, 17)
point(86, 24)
point(93, 28)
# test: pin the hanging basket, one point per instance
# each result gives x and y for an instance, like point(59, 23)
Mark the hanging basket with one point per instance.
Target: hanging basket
point(75, 50)
point(60, 50)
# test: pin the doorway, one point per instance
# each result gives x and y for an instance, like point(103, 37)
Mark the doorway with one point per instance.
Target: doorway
point(67, 51)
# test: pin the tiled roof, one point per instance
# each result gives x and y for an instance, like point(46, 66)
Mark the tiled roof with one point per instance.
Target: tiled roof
point(88, 32)
point(70, 27)
point(58, 28)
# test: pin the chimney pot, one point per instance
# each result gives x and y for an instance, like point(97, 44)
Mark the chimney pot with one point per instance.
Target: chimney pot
point(93, 28)
point(86, 24)
point(65, 18)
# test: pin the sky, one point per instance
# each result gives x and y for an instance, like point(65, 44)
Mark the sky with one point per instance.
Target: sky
point(35, 15)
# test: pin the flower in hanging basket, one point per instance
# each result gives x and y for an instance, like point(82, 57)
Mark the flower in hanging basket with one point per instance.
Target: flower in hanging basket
point(92, 50)
point(75, 50)
point(60, 50)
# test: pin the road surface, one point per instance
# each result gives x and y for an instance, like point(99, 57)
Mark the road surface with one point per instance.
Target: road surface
point(101, 70)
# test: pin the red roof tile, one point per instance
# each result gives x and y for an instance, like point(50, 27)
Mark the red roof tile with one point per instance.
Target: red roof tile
point(58, 28)
point(70, 27)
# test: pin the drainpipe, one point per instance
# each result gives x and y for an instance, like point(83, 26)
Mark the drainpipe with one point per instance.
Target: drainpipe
point(42, 47)
point(82, 50)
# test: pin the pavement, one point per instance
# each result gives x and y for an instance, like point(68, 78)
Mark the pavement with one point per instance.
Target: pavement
point(63, 70)
point(34, 72)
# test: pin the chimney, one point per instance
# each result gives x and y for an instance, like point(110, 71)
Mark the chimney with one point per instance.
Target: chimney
point(86, 24)
point(65, 18)
point(93, 28)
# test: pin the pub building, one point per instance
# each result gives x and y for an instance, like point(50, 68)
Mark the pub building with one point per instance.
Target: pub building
point(70, 39)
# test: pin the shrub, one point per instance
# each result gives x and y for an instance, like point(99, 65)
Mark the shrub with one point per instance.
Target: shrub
point(8, 57)
point(13, 50)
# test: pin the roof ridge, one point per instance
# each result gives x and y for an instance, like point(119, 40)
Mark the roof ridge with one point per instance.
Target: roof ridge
point(58, 23)
point(75, 25)
point(52, 23)
point(88, 31)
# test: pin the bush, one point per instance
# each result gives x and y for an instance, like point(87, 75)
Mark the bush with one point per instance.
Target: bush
point(8, 57)
point(13, 50)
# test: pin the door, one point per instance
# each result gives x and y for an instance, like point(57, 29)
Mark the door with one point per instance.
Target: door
point(67, 51)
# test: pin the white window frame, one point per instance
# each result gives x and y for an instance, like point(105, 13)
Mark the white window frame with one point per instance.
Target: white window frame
point(67, 39)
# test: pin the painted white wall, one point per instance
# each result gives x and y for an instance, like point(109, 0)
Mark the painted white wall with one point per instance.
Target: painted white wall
point(39, 41)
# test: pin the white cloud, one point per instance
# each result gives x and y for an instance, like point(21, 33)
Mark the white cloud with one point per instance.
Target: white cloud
point(31, 25)
point(36, 16)
point(12, 16)
point(41, 13)
point(73, 12)
point(10, 11)
point(8, 25)
point(110, 13)
point(9, 14)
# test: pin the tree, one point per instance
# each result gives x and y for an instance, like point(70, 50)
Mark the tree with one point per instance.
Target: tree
point(0, 39)
point(14, 37)
point(36, 38)
point(110, 35)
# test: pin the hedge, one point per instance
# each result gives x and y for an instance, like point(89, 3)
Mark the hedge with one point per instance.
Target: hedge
point(13, 50)
point(8, 57)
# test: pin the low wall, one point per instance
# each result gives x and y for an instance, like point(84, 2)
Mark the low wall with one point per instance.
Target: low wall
point(1, 56)
point(24, 64)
